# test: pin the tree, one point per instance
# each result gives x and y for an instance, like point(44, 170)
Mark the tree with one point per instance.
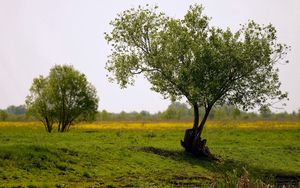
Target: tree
point(3, 115)
point(72, 95)
point(298, 114)
point(236, 113)
point(63, 96)
point(188, 58)
point(265, 111)
point(176, 110)
point(104, 115)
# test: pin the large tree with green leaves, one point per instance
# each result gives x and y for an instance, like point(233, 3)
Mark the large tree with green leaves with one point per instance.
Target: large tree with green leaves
point(63, 96)
point(189, 58)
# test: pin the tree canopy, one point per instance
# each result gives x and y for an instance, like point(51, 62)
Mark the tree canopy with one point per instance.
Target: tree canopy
point(3, 115)
point(189, 58)
point(61, 97)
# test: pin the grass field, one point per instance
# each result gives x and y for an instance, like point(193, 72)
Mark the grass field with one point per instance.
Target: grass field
point(135, 154)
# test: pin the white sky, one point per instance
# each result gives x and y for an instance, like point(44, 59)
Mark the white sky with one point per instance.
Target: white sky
point(37, 34)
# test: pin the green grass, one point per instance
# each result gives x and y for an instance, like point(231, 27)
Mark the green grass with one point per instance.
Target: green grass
point(30, 157)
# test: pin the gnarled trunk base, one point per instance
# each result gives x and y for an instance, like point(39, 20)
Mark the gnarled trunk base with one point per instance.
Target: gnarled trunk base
point(194, 144)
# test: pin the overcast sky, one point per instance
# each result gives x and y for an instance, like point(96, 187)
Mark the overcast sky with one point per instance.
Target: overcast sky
point(37, 34)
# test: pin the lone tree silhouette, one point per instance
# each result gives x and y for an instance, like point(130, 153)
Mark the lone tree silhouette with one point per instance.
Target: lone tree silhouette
point(188, 58)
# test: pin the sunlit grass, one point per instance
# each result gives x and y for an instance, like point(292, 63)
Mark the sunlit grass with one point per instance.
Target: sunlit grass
point(145, 154)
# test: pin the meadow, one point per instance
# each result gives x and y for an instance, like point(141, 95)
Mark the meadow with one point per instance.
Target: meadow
point(148, 154)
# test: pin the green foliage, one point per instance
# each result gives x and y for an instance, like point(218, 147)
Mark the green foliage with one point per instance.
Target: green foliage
point(189, 58)
point(182, 112)
point(14, 113)
point(63, 97)
point(3, 115)
point(177, 111)
point(298, 114)
point(16, 110)
point(39, 104)
point(103, 116)
point(137, 158)
point(126, 116)
point(265, 111)
point(236, 113)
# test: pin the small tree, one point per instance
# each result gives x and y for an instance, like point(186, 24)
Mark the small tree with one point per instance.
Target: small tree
point(236, 113)
point(188, 58)
point(265, 111)
point(176, 110)
point(3, 115)
point(298, 114)
point(62, 97)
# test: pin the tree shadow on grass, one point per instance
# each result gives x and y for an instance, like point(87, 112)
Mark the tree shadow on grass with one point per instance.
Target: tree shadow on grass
point(227, 168)
point(182, 156)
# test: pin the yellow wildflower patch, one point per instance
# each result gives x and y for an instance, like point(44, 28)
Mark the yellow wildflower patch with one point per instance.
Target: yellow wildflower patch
point(186, 125)
point(19, 124)
point(171, 125)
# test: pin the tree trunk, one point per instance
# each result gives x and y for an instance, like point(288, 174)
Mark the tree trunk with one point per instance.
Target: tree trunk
point(191, 133)
point(48, 125)
point(58, 127)
point(196, 116)
point(192, 140)
point(63, 127)
point(200, 128)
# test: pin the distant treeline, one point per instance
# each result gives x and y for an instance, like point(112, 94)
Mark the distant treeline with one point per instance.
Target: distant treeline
point(175, 112)
point(14, 113)
point(182, 112)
